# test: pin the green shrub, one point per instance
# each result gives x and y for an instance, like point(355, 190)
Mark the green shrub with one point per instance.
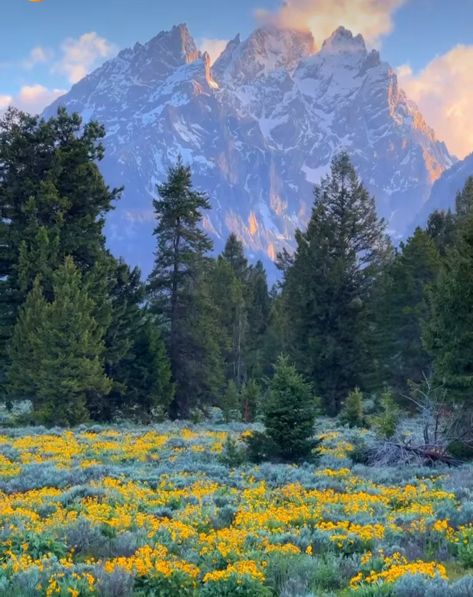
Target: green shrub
point(465, 547)
point(233, 454)
point(352, 411)
point(259, 447)
point(388, 420)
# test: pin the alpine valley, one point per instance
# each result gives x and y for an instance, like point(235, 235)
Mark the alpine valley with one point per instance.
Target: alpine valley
point(259, 128)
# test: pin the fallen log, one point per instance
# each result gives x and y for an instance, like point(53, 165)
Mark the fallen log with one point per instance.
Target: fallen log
point(395, 453)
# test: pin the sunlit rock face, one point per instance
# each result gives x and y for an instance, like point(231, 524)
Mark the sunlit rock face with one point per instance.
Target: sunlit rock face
point(259, 128)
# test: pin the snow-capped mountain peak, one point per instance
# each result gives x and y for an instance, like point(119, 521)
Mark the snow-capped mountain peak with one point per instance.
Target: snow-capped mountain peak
point(259, 128)
point(266, 50)
point(343, 41)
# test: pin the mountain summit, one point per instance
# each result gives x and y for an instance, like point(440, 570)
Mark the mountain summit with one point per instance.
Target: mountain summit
point(259, 128)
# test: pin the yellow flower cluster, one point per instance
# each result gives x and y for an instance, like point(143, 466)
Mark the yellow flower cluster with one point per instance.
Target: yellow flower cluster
point(242, 568)
point(395, 567)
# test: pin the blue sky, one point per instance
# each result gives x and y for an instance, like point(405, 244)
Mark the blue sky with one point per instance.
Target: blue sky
point(42, 48)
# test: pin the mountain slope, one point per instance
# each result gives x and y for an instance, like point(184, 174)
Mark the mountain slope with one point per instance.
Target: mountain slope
point(446, 188)
point(259, 128)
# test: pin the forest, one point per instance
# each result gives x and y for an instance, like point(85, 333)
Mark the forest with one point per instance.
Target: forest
point(201, 434)
point(84, 338)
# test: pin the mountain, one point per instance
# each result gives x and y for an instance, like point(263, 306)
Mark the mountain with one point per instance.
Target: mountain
point(446, 188)
point(259, 127)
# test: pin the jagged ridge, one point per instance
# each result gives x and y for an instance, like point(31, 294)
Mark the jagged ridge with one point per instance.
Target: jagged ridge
point(259, 128)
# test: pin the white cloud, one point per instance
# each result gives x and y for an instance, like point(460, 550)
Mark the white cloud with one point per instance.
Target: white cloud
point(38, 55)
point(5, 101)
point(82, 55)
point(31, 98)
point(442, 90)
point(214, 47)
point(371, 18)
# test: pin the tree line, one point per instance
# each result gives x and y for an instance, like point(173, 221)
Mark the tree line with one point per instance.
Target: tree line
point(83, 337)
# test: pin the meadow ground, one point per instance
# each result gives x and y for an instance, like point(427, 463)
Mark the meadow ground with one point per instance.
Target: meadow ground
point(171, 510)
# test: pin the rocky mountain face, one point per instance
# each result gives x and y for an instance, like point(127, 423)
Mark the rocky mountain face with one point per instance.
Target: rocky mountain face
point(259, 128)
point(446, 189)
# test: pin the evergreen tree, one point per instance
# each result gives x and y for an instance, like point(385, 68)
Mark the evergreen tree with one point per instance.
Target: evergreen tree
point(234, 255)
point(178, 291)
point(26, 348)
point(65, 345)
point(441, 229)
point(329, 282)
point(240, 295)
point(53, 201)
point(464, 200)
point(352, 411)
point(231, 402)
point(258, 306)
point(289, 414)
point(448, 332)
point(250, 400)
point(149, 390)
point(401, 310)
point(227, 292)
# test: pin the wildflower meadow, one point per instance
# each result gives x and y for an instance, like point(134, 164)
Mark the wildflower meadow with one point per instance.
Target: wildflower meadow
point(175, 510)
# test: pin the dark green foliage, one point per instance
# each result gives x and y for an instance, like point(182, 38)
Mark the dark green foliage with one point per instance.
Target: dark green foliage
point(387, 421)
point(228, 297)
point(240, 295)
point(400, 310)
point(179, 292)
point(233, 454)
point(289, 414)
point(352, 410)
point(464, 200)
point(231, 402)
point(328, 285)
point(250, 400)
point(258, 306)
point(147, 374)
point(441, 229)
point(135, 357)
point(53, 201)
point(448, 332)
point(64, 346)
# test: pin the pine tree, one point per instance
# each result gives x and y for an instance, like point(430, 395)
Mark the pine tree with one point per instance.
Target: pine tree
point(250, 400)
point(227, 292)
point(448, 332)
point(401, 310)
point(258, 306)
point(67, 351)
point(329, 282)
point(234, 255)
point(464, 200)
point(441, 229)
point(240, 295)
point(289, 414)
point(26, 348)
point(178, 291)
point(231, 402)
point(53, 201)
point(149, 390)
